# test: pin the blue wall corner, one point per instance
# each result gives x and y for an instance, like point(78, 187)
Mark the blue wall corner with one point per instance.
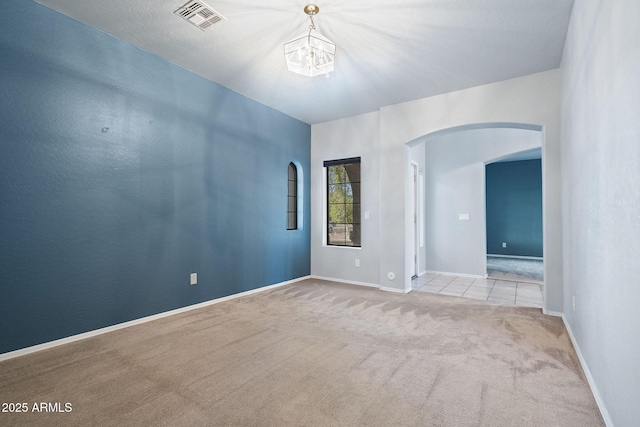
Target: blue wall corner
point(121, 174)
point(514, 208)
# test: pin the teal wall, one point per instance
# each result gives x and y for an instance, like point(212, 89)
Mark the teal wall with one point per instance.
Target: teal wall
point(514, 208)
point(121, 174)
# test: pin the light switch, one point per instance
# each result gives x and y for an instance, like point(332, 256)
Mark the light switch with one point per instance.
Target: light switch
point(367, 215)
point(463, 217)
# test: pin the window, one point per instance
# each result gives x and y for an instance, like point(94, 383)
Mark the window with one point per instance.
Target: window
point(292, 198)
point(343, 202)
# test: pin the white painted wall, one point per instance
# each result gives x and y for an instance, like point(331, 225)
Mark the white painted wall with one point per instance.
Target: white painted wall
point(455, 184)
point(601, 204)
point(383, 139)
point(531, 100)
point(352, 137)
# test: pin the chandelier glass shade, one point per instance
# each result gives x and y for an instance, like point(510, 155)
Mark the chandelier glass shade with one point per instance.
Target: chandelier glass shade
point(311, 53)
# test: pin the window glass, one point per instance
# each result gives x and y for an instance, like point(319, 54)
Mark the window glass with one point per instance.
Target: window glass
point(343, 202)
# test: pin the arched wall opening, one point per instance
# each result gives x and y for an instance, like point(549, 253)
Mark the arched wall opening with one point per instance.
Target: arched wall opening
point(529, 102)
point(454, 172)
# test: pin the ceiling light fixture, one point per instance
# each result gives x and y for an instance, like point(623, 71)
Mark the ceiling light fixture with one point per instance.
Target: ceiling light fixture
point(310, 54)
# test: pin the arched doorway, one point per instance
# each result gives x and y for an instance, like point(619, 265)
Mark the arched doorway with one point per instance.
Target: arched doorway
point(454, 219)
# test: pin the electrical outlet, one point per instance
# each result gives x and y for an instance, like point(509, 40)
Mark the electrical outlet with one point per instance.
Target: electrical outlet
point(504, 244)
point(194, 278)
point(357, 262)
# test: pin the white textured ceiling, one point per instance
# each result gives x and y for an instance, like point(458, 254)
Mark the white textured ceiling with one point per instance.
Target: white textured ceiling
point(387, 51)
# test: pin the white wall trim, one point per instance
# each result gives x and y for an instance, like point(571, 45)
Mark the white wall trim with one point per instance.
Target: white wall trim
point(552, 313)
point(538, 258)
point(587, 373)
point(396, 290)
point(353, 282)
point(422, 273)
point(475, 276)
point(96, 332)
point(348, 282)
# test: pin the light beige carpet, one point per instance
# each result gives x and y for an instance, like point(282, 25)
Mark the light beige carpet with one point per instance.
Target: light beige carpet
point(314, 354)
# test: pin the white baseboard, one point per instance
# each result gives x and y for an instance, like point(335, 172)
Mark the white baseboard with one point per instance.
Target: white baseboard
point(78, 337)
point(537, 258)
point(348, 282)
point(422, 273)
point(444, 273)
point(553, 313)
point(369, 285)
point(396, 290)
point(592, 384)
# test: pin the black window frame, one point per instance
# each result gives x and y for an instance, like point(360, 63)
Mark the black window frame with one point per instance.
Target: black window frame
point(351, 229)
point(292, 197)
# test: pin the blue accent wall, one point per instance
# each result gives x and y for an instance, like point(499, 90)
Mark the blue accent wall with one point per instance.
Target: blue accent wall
point(121, 174)
point(514, 208)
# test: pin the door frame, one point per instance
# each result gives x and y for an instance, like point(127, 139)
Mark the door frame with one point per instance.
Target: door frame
point(415, 171)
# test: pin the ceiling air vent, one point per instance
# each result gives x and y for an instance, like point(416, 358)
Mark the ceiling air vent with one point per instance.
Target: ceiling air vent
point(199, 14)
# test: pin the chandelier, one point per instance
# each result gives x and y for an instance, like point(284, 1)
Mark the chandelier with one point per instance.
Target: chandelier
point(310, 54)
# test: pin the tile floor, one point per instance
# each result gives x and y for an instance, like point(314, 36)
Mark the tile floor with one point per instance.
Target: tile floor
point(493, 291)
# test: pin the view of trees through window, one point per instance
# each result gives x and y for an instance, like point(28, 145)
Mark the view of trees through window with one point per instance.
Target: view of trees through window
point(343, 202)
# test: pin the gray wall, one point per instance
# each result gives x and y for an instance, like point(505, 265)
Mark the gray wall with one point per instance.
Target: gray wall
point(531, 100)
point(353, 137)
point(455, 167)
point(601, 206)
